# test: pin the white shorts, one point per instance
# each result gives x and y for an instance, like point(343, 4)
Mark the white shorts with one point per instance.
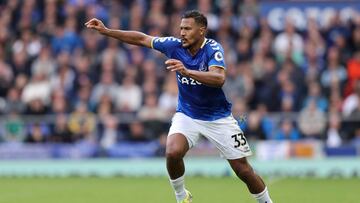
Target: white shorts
point(224, 133)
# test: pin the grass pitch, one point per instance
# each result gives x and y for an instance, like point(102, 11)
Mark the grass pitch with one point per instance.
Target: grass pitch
point(157, 190)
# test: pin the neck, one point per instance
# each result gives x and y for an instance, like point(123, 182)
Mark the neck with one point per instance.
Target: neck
point(195, 48)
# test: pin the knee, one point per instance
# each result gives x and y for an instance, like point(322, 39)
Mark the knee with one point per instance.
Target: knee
point(176, 147)
point(174, 153)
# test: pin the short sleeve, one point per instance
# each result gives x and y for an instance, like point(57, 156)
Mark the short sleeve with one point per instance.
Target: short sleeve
point(217, 59)
point(215, 53)
point(165, 45)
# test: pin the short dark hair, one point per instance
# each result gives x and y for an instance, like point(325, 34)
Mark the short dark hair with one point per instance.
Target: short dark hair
point(198, 17)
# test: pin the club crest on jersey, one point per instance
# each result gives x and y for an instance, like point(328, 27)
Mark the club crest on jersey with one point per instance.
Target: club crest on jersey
point(202, 66)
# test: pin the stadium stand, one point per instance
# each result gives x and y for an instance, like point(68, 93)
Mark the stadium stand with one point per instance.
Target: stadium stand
point(66, 91)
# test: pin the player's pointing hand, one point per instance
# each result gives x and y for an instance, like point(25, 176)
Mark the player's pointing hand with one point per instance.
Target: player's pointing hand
point(96, 24)
point(176, 65)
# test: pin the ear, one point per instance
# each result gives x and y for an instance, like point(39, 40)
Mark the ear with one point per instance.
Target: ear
point(202, 30)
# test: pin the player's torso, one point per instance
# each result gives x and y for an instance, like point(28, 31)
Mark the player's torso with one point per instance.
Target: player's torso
point(201, 100)
point(197, 62)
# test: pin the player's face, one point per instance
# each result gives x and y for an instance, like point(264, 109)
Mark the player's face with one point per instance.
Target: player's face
point(190, 32)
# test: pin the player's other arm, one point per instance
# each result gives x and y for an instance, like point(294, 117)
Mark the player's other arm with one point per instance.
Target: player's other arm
point(130, 37)
point(215, 77)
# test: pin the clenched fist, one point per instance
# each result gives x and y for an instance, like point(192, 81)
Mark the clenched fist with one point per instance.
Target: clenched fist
point(96, 24)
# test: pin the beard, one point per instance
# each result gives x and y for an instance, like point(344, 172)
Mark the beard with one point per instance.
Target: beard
point(186, 44)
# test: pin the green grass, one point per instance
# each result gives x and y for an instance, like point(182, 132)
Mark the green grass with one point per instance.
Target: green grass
point(157, 190)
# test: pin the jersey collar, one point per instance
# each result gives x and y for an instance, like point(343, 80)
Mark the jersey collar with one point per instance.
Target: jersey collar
point(203, 44)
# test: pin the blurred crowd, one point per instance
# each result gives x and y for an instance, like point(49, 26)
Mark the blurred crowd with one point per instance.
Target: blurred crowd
point(61, 82)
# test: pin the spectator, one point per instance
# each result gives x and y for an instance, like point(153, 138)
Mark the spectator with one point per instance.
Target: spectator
point(37, 133)
point(314, 39)
point(353, 121)
point(337, 33)
point(239, 112)
point(114, 58)
point(37, 89)
point(83, 96)
point(137, 132)
point(168, 98)
point(156, 15)
point(267, 123)
point(149, 86)
point(60, 132)
point(314, 94)
point(44, 65)
point(245, 72)
point(66, 38)
point(334, 132)
point(287, 131)
point(253, 129)
point(64, 79)
point(83, 75)
point(129, 96)
point(335, 74)
point(356, 140)
point(352, 101)
point(28, 43)
point(162, 145)
point(243, 50)
point(313, 64)
point(312, 121)
point(82, 122)
point(353, 72)
point(21, 81)
point(105, 106)
point(13, 128)
point(36, 107)
point(292, 83)
point(205, 6)
point(6, 77)
point(235, 82)
point(110, 133)
point(107, 85)
point(257, 66)
point(289, 44)
point(268, 86)
point(355, 40)
point(263, 43)
point(288, 96)
point(335, 102)
point(152, 116)
point(151, 110)
point(13, 101)
point(150, 72)
point(20, 63)
point(59, 105)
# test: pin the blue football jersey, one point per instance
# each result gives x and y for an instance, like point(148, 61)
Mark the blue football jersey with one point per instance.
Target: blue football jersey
point(196, 100)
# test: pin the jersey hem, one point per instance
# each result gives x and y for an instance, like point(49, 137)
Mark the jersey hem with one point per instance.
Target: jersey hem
point(214, 118)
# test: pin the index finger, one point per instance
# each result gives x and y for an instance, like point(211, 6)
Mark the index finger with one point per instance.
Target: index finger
point(171, 61)
point(90, 21)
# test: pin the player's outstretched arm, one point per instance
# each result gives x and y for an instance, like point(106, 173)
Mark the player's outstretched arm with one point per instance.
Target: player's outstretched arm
point(130, 37)
point(215, 77)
